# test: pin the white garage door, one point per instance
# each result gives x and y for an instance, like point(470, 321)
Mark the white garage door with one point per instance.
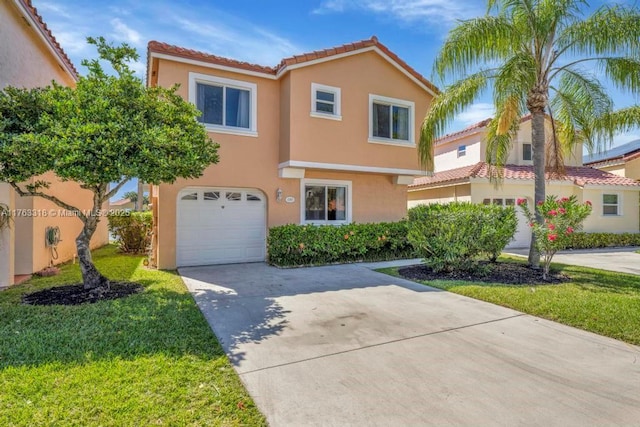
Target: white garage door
point(220, 226)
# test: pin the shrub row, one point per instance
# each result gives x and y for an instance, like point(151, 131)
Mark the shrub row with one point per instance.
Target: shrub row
point(295, 245)
point(603, 240)
point(455, 235)
point(132, 231)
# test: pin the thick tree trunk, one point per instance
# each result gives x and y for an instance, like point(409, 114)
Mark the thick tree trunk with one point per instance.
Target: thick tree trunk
point(91, 277)
point(538, 148)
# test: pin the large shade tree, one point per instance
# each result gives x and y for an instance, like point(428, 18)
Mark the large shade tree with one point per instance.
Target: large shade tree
point(110, 128)
point(547, 58)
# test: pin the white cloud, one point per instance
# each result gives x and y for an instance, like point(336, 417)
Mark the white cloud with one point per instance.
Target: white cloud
point(125, 33)
point(623, 138)
point(475, 113)
point(242, 42)
point(410, 11)
point(54, 8)
point(73, 42)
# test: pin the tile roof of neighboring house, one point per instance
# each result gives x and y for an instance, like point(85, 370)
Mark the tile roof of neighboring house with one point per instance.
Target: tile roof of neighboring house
point(628, 151)
point(158, 47)
point(120, 202)
point(578, 175)
point(474, 127)
point(46, 32)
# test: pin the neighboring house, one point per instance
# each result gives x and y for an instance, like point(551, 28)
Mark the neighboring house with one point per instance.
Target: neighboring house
point(461, 174)
point(125, 204)
point(327, 137)
point(30, 56)
point(623, 160)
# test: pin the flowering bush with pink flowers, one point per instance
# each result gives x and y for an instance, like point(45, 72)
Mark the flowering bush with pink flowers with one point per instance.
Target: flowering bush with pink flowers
point(561, 218)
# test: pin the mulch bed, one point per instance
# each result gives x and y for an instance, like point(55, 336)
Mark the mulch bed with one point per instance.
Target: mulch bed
point(76, 294)
point(501, 272)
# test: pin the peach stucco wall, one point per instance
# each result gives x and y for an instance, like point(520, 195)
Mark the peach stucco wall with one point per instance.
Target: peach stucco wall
point(26, 61)
point(314, 139)
point(286, 131)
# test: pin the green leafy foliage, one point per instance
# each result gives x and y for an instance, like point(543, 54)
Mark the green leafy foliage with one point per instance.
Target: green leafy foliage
point(603, 240)
point(292, 244)
point(561, 218)
point(109, 128)
point(454, 235)
point(133, 196)
point(132, 231)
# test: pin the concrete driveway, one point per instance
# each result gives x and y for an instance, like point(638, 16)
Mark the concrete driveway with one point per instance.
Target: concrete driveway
point(623, 260)
point(344, 345)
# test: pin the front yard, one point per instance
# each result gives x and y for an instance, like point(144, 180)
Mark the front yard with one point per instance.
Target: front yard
point(607, 303)
point(148, 359)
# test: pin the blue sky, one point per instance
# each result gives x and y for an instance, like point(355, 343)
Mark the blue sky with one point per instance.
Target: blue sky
point(264, 32)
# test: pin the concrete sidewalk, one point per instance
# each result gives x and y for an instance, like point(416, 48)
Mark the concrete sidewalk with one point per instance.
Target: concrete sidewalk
point(344, 345)
point(623, 260)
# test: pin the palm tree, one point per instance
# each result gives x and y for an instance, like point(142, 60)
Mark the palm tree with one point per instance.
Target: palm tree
point(547, 58)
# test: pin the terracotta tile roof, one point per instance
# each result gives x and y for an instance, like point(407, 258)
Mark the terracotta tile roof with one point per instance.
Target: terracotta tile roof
point(578, 175)
point(470, 128)
point(120, 202)
point(33, 13)
point(158, 47)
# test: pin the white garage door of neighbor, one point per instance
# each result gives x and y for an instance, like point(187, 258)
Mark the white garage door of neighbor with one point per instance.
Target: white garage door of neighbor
point(522, 237)
point(220, 226)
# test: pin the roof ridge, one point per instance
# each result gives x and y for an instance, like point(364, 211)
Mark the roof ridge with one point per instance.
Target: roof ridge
point(33, 12)
point(160, 47)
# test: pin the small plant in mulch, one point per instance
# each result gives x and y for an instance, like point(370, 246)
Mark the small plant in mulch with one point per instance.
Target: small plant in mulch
point(77, 294)
point(509, 273)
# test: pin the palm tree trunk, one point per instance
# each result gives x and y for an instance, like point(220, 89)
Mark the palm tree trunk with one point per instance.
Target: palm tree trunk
point(538, 146)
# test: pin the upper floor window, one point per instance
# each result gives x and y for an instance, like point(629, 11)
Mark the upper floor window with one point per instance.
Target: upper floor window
point(391, 120)
point(462, 150)
point(325, 101)
point(526, 151)
point(610, 204)
point(227, 106)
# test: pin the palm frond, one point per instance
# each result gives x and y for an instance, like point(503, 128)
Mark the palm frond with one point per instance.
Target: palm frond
point(444, 108)
point(622, 120)
point(501, 133)
point(624, 73)
point(472, 43)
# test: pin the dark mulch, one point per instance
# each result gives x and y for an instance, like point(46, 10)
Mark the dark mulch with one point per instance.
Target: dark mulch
point(501, 272)
point(76, 294)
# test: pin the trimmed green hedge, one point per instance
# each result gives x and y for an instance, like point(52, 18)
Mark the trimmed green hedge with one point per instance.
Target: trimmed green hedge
point(603, 240)
point(132, 231)
point(295, 245)
point(453, 236)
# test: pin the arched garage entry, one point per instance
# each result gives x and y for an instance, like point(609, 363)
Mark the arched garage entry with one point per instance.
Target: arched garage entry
point(220, 226)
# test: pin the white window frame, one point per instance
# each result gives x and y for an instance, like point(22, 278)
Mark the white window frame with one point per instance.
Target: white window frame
point(337, 107)
point(195, 78)
point(385, 100)
point(617, 205)
point(462, 150)
point(531, 145)
point(326, 182)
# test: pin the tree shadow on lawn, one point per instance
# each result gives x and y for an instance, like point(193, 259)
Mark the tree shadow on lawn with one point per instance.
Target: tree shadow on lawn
point(156, 321)
point(595, 280)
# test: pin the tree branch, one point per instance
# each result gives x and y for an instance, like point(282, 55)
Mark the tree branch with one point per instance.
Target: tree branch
point(117, 188)
point(50, 198)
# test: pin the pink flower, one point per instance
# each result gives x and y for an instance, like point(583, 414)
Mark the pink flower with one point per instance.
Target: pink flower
point(531, 224)
point(562, 211)
point(564, 199)
point(552, 212)
point(569, 230)
point(521, 202)
point(540, 203)
point(552, 237)
point(552, 227)
point(588, 203)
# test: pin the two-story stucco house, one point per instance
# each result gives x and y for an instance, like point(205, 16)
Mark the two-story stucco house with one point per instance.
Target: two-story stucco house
point(326, 137)
point(30, 57)
point(461, 174)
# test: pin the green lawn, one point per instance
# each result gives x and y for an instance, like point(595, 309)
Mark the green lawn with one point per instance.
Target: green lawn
point(603, 302)
point(149, 359)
